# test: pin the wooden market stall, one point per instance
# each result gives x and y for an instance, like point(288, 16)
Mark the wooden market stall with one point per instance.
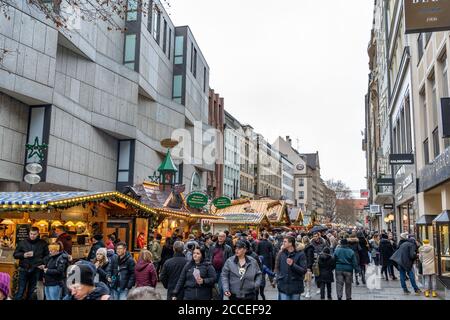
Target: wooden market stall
point(239, 222)
point(171, 204)
point(296, 217)
point(84, 214)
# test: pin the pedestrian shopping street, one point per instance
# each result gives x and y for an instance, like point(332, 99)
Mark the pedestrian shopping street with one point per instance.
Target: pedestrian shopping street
point(375, 289)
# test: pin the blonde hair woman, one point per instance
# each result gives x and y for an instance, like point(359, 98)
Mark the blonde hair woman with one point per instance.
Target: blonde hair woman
point(103, 265)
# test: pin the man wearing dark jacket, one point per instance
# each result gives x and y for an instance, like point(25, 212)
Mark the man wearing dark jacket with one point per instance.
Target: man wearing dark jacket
point(219, 253)
point(386, 249)
point(266, 250)
point(97, 243)
point(171, 271)
point(30, 253)
point(292, 270)
point(125, 272)
point(64, 238)
point(404, 257)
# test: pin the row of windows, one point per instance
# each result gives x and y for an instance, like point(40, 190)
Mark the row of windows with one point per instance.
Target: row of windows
point(154, 27)
point(430, 118)
point(247, 184)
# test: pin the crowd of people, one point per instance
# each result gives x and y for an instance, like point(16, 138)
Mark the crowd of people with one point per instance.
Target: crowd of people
point(215, 266)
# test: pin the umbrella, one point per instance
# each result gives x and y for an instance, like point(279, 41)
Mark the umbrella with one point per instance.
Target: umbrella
point(318, 229)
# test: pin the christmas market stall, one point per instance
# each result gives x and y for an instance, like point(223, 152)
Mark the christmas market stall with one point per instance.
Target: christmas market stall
point(237, 222)
point(296, 217)
point(83, 214)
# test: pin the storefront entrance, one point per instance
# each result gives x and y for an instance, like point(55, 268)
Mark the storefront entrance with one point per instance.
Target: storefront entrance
point(408, 218)
point(121, 228)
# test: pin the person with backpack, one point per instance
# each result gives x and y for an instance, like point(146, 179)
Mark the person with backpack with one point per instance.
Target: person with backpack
point(154, 246)
point(55, 271)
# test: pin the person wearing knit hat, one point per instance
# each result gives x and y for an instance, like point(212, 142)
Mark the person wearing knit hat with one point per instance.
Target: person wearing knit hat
point(426, 257)
point(81, 283)
point(5, 281)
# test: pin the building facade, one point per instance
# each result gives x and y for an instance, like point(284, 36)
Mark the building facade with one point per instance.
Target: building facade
point(287, 170)
point(232, 164)
point(268, 170)
point(216, 110)
point(248, 163)
point(102, 100)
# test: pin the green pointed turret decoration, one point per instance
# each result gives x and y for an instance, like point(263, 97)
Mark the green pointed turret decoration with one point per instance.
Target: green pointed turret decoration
point(168, 170)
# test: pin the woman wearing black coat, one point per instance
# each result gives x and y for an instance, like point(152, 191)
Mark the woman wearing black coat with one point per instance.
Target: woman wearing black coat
point(197, 278)
point(386, 249)
point(364, 259)
point(327, 264)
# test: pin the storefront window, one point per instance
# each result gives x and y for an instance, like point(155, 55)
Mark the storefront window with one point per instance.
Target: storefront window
point(445, 250)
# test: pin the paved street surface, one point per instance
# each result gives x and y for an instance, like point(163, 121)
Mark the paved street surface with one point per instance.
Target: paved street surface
point(375, 289)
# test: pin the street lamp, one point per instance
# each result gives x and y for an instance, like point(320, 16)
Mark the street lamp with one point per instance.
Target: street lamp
point(35, 154)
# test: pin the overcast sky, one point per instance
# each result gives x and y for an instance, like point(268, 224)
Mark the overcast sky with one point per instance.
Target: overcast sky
point(291, 67)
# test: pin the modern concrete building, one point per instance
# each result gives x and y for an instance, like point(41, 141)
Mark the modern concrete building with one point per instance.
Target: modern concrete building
point(102, 100)
point(312, 188)
point(232, 160)
point(248, 163)
point(217, 120)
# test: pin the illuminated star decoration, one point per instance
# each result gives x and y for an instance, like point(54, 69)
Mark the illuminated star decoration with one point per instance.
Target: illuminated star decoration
point(36, 149)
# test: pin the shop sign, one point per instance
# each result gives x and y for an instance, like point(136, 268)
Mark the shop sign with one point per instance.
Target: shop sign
point(389, 206)
point(408, 181)
point(401, 159)
point(426, 16)
point(436, 173)
point(385, 182)
point(22, 232)
point(222, 202)
point(197, 200)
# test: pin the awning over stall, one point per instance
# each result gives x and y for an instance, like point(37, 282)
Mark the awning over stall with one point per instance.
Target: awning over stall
point(38, 201)
point(241, 219)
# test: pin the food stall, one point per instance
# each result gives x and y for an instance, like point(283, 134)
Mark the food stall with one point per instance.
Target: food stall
point(239, 222)
point(296, 217)
point(83, 214)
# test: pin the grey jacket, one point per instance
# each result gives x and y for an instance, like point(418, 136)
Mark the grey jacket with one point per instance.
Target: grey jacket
point(237, 285)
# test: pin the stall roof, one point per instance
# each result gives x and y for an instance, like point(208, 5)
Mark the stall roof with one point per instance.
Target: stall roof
point(166, 201)
point(274, 210)
point(241, 218)
point(296, 215)
point(26, 201)
point(444, 217)
point(426, 220)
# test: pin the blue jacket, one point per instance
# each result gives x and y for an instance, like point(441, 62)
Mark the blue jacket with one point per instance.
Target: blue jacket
point(345, 259)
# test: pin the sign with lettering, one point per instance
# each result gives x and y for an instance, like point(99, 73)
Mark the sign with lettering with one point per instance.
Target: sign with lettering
point(385, 182)
point(197, 200)
point(436, 173)
point(388, 206)
point(426, 15)
point(222, 202)
point(401, 159)
point(22, 232)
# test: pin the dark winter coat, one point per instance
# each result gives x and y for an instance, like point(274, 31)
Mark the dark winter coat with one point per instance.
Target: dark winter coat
point(405, 255)
point(227, 252)
point(113, 266)
point(386, 251)
point(290, 278)
point(56, 269)
point(309, 253)
point(327, 264)
point(40, 251)
point(266, 250)
point(319, 245)
point(363, 252)
point(66, 240)
point(126, 278)
point(188, 284)
point(93, 252)
point(104, 272)
point(100, 290)
point(170, 274)
point(145, 274)
point(346, 260)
